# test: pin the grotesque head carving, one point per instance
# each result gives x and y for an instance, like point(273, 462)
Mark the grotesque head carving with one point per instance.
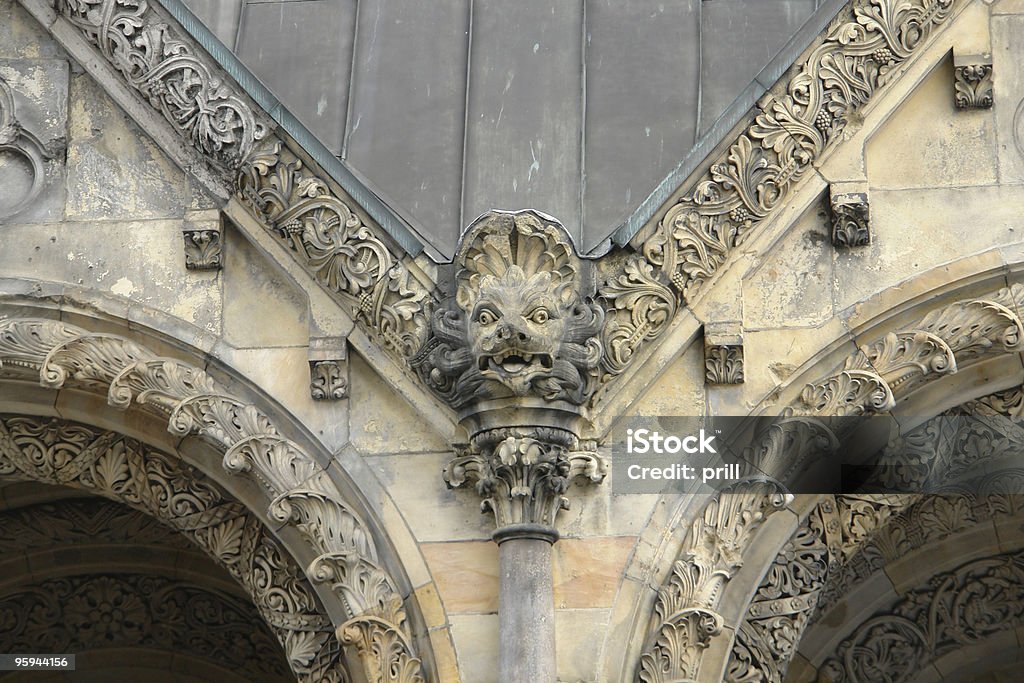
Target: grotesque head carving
point(522, 326)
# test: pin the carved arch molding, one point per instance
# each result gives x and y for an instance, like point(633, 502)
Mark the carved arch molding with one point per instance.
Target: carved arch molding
point(299, 491)
point(841, 543)
point(830, 550)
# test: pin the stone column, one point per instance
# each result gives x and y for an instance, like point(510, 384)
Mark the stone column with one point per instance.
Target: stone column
point(526, 610)
point(522, 473)
point(517, 355)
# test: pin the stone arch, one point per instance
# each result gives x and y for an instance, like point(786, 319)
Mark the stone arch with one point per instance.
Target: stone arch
point(291, 489)
point(920, 352)
point(132, 598)
point(887, 605)
point(54, 451)
point(899, 567)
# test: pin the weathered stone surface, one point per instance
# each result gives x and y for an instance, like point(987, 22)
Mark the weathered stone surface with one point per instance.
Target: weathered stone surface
point(1007, 31)
point(946, 216)
point(931, 144)
point(476, 642)
point(21, 37)
point(381, 420)
point(466, 574)
point(792, 286)
point(34, 100)
point(115, 171)
point(138, 260)
point(587, 571)
point(259, 295)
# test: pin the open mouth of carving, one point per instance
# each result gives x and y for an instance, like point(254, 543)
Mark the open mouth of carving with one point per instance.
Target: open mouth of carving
point(516, 362)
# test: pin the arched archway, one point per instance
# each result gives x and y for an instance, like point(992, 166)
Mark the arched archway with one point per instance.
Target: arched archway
point(740, 585)
point(109, 380)
point(130, 597)
point(54, 451)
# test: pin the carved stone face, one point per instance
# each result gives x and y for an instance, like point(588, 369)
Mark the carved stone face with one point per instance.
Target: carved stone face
point(516, 328)
point(522, 327)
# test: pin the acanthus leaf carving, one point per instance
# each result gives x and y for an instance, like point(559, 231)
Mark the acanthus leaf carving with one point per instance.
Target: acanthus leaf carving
point(523, 474)
point(959, 607)
point(940, 343)
point(851, 392)
point(193, 403)
point(346, 255)
point(202, 106)
point(972, 81)
point(685, 617)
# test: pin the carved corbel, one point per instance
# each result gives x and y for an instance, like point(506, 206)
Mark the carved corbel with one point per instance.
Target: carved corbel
point(517, 355)
point(202, 232)
point(972, 81)
point(723, 353)
point(851, 225)
point(328, 368)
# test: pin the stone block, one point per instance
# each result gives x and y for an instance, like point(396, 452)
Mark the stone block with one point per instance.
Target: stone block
point(1008, 65)
point(21, 36)
point(266, 308)
point(476, 642)
point(792, 286)
point(382, 422)
point(587, 571)
point(33, 132)
point(466, 574)
point(972, 81)
point(928, 143)
point(851, 214)
point(723, 353)
point(914, 231)
point(114, 170)
point(579, 635)
point(139, 261)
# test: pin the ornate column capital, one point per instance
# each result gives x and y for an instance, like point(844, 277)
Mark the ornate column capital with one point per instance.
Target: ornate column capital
point(517, 354)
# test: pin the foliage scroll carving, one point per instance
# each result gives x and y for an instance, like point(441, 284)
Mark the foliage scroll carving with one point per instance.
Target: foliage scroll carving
point(643, 285)
point(58, 355)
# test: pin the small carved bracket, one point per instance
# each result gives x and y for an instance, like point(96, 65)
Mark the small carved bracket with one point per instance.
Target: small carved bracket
point(328, 368)
point(972, 81)
point(203, 242)
point(723, 353)
point(851, 221)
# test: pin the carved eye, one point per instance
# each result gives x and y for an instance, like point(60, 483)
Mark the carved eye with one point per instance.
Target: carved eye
point(540, 315)
point(486, 317)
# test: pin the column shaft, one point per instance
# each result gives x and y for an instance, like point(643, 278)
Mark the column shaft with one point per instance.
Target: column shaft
point(526, 612)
